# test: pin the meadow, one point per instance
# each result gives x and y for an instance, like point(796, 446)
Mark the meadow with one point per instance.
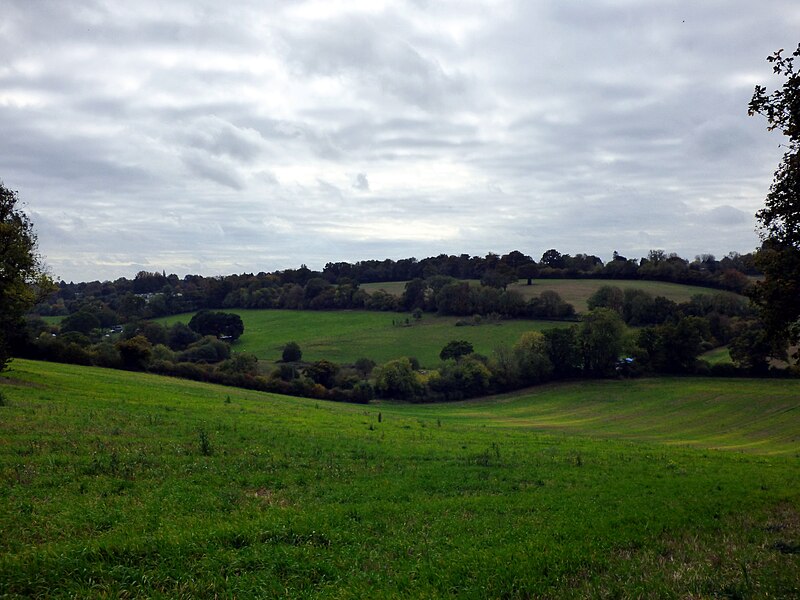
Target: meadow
point(116, 484)
point(345, 336)
point(576, 291)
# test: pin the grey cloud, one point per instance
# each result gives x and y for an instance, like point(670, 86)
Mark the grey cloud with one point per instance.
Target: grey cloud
point(140, 131)
point(213, 170)
point(374, 53)
point(222, 138)
point(728, 215)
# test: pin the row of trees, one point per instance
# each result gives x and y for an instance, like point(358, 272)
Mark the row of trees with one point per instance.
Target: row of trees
point(337, 286)
point(442, 294)
point(599, 346)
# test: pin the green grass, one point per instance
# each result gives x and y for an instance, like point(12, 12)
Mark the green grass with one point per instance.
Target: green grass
point(717, 356)
point(741, 414)
point(345, 336)
point(53, 320)
point(117, 484)
point(577, 291)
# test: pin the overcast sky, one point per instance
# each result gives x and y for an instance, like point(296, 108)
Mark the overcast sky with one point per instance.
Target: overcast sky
point(225, 137)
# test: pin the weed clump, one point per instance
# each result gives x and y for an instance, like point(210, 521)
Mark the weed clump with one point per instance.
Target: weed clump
point(205, 443)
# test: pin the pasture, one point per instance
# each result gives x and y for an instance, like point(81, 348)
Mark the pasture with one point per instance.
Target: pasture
point(345, 336)
point(116, 484)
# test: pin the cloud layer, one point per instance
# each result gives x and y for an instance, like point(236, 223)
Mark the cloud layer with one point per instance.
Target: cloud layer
point(200, 137)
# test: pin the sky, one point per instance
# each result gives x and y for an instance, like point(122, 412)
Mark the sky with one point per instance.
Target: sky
point(207, 137)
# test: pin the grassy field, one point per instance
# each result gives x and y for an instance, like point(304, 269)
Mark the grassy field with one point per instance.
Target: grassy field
point(577, 291)
point(717, 356)
point(117, 484)
point(345, 336)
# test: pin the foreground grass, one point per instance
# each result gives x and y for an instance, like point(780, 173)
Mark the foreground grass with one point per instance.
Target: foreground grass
point(345, 336)
point(123, 484)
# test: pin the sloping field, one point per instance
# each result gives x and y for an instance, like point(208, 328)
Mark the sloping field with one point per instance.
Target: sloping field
point(345, 336)
point(117, 484)
point(736, 414)
point(577, 291)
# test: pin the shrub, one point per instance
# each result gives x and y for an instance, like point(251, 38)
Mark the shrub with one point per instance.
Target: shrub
point(364, 366)
point(291, 352)
point(135, 352)
point(363, 392)
point(242, 363)
point(397, 379)
point(208, 350)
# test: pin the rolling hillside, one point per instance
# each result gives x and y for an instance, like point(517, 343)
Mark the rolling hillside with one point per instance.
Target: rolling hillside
point(577, 291)
point(120, 484)
point(345, 336)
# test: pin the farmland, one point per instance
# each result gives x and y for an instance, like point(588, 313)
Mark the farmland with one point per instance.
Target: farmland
point(345, 336)
point(128, 484)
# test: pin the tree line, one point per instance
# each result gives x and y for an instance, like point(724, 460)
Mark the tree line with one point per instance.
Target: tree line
point(436, 284)
point(625, 334)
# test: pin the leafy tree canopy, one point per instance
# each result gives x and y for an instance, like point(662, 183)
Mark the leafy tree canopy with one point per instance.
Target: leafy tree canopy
point(779, 292)
point(22, 276)
point(219, 324)
point(456, 349)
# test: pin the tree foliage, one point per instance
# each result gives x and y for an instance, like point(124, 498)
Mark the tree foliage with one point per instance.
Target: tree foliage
point(219, 324)
point(22, 277)
point(601, 335)
point(779, 292)
point(455, 349)
point(291, 352)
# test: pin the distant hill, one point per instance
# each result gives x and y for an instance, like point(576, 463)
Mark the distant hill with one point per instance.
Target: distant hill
point(577, 291)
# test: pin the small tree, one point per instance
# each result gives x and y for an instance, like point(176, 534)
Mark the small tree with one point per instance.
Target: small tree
point(291, 352)
point(533, 363)
point(601, 335)
point(455, 349)
point(219, 324)
point(397, 379)
point(322, 372)
point(135, 352)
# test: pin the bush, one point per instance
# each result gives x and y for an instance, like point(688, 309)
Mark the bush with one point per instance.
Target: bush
point(322, 372)
point(135, 352)
point(362, 392)
point(291, 352)
point(207, 350)
point(397, 379)
point(364, 366)
point(242, 363)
